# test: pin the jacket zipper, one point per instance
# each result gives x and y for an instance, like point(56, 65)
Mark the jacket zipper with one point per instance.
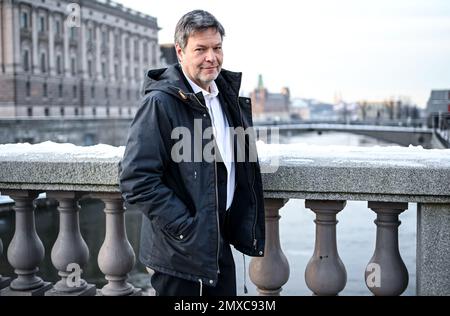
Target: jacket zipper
point(216, 193)
point(252, 186)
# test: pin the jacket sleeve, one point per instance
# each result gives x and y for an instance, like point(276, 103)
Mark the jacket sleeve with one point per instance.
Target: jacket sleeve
point(146, 156)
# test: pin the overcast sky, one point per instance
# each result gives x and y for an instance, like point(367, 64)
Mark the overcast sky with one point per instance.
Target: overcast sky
point(360, 49)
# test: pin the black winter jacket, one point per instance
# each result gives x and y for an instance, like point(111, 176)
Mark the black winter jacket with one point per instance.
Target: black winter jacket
point(180, 229)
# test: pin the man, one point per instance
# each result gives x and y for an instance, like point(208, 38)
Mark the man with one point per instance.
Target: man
point(194, 208)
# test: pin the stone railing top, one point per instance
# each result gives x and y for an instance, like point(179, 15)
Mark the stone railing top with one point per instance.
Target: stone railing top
point(391, 173)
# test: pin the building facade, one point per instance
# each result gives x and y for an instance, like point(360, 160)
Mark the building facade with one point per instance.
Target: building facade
point(439, 102)
point(51, 68)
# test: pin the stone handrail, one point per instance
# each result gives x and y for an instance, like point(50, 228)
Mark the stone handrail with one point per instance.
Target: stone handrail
point(326, 177)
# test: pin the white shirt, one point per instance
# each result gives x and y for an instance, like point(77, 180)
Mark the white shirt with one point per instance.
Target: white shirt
point(221, 132)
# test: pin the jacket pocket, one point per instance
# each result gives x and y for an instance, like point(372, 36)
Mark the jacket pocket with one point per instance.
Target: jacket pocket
point(181, 231)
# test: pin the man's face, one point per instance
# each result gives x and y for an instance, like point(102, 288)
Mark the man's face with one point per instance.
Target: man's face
point(202, 57)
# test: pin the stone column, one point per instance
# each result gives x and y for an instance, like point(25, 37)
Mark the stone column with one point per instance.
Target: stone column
point(2, 45)
point(98, 52)
point(8, 36)
point(83, 56)
point(34, 39)
point(433, 244)
point(141, 66)
point(386, 274)
point(111, 48)
point(70, 253)
point(132, 52)
point(153, 54)
point(51, 46)
point(66, 58)
point(16, 40)
point(271, 272)
point(116, 257)
point(325, 273)
point(26, 251)
point(124, 60)
point(4, 282)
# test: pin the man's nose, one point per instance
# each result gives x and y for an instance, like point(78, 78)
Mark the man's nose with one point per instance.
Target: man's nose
point(210, 56)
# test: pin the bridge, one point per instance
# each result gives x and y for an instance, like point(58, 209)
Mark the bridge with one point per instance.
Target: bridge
point(325, 179)
point(113, 131)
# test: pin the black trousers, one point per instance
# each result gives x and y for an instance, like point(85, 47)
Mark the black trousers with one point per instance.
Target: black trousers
point(167, 285)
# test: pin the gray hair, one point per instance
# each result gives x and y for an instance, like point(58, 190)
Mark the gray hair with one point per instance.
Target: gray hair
point(195, 21)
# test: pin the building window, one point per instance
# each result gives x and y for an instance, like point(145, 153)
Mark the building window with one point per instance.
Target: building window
point(26, 60)
point(106, 93)
point(103, 69)
point(90, 68)
point(73, 67)
point(61, 111)
point(136, 73)
point(42, 24)
point(76, 111)
point(90, 34)
point(94, 111)
point(128, 95)
point(119, 92)
point(107, 111)
point(75, 92)
point(120, 111)
point(92, 92)
point(28, 89)
point(104, 37)
point(154, 54)
point(116, 71)
point(30, 111)
point(60, 90)
point(58, 65)
point(145, 51)
point(43, 63)
point(44, 90)
point(46, 112)
point(73, 33)
point(136, 48)
point(58, 27)
point(24, 20)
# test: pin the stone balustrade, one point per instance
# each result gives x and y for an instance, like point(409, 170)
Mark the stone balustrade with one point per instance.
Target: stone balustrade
point(325, 177)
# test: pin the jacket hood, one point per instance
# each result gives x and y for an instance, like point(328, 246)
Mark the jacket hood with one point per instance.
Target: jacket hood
point(171, 80)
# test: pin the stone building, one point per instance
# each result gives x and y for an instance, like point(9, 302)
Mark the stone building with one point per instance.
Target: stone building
point(270, 106)
point(49, 67)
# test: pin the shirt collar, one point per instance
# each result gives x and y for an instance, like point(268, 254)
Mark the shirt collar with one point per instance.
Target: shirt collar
point(214, 90)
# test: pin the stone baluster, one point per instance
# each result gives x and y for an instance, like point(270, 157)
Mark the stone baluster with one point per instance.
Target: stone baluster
point(325, 273)
point(386, 274)
point(70, 254)
point(4, 281)
point(116, 257)
point(271, 272)
point(26, 251)
point(433, 242)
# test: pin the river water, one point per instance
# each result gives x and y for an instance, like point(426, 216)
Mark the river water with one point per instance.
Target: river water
point(355, 235)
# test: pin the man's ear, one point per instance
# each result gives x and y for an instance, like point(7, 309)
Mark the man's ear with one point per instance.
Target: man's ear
point(179, 52)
